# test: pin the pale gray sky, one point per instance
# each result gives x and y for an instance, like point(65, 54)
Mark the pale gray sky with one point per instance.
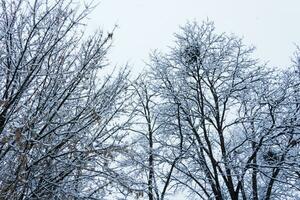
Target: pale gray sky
point(144, 25)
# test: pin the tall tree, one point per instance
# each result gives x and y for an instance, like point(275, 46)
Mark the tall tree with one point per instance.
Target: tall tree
point(149, 159)
point(233, 116)
point(59, 120)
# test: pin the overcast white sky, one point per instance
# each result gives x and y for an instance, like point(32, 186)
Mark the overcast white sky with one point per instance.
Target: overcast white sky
point(144, 25)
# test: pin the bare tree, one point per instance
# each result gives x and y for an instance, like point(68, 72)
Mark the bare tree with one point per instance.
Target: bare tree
point(234, 115)
point(149, 159)
point(59, 120)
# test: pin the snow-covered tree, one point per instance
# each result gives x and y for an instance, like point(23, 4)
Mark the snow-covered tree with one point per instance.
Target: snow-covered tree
point(237, 133)
point(59, 116)
point(145, 158)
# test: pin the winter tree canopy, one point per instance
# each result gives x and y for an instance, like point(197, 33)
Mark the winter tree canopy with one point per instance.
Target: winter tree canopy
point(206, 118)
